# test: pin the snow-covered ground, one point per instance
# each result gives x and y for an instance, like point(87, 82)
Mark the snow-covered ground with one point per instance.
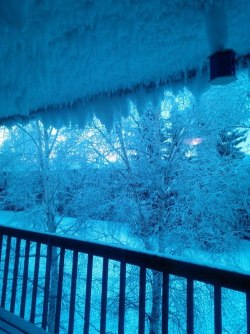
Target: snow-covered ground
point(118, 234)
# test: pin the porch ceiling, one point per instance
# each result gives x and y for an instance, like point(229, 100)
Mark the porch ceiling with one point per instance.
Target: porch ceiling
point(65, 52)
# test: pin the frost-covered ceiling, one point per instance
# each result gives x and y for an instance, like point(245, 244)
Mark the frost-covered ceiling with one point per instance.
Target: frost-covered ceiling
point(58, 54)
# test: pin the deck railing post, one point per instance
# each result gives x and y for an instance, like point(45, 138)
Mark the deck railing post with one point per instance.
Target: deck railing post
point(190, 306)
point(35, 282)
point(1, 246)
point(47, 287)
point(73, 292)
point(217, 310)
point(248, 311)
point(165, 302)
point(6, 271)
point(121, 319)
point(15, 274)
point(25, 278)
point(104, 295)
point(59, 291)
point(142, 300)
point(88, 294)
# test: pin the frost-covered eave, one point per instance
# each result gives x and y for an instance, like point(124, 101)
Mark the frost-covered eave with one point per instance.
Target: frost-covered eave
point(110, 106)
point(63, 55)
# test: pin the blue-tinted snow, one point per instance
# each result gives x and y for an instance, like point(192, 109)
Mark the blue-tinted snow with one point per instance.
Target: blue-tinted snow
point(119, 235)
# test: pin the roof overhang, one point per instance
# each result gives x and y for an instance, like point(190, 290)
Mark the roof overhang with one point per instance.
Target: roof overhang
point(58, 55)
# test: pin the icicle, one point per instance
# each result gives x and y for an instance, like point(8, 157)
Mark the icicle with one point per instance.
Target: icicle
point(123, 105)
point(140, 100)
point(104, 111)
point(176, 87)
point(44, 118)
point(80, 116)
point(157, 97)
point(199, 83)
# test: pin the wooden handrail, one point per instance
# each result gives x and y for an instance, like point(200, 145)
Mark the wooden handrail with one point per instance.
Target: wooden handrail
point(227, 278)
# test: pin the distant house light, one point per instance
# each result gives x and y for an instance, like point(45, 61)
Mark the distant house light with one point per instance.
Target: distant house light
point(222, 67)
point(193, 141)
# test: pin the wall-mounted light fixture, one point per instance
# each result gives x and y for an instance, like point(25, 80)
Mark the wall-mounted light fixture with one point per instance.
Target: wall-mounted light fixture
point(222, 67)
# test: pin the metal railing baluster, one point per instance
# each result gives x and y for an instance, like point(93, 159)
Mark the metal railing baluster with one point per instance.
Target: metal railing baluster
point(73, 292)
point(1, 246)
point(59, 291)
point(121, 319)
point(248, 311)
point(104, 295)
point(6, 271)
point(47, 287)
point(165, 302)
point(25, 278)
point(142, 300)
point(190, 306)
point(35, 282)
point(88, 294)
point(15, 274)
point(217, 310)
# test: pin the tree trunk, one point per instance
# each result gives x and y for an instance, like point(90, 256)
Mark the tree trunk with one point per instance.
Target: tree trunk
point(44, 150)
point(155, 315)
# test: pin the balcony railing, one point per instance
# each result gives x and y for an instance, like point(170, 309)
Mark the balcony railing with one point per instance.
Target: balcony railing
point(53, 281)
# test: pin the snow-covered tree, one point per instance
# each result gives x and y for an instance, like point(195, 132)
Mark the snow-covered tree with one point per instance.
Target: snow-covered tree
point(229, 142)
point(172, 188)
point(40, 167)
point(171, 175)
point(148, 151)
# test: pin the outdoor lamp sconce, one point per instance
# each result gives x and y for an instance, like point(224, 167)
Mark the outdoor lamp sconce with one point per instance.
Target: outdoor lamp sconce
point(222, 67)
